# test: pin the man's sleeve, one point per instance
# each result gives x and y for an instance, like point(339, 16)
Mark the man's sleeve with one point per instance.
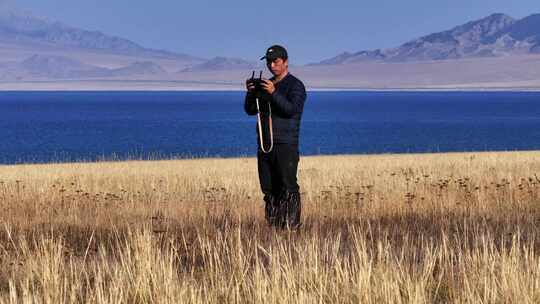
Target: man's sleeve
point(292, 103)
point(249, 104)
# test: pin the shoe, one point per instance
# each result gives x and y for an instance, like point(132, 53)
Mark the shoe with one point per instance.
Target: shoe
point(271, 209)
point(290, 208)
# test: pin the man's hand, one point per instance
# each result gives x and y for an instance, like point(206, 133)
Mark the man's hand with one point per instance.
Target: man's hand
point(268, 86)
point(249, 85)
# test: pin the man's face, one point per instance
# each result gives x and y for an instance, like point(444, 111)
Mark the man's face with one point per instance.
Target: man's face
point(277, 66)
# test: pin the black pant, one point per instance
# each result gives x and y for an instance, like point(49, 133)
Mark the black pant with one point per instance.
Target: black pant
point(277, 177)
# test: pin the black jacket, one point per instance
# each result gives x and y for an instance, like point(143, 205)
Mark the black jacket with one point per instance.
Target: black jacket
point(287, 104)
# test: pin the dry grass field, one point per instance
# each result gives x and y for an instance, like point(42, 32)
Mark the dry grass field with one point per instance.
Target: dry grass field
point(424, 228)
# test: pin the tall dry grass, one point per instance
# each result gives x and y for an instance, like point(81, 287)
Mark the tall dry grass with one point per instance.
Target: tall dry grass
point(447, 228)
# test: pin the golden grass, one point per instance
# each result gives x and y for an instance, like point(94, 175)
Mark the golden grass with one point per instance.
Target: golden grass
point(426, 228)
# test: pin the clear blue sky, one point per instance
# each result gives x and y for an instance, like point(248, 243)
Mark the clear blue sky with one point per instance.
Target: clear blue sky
point(311, 30)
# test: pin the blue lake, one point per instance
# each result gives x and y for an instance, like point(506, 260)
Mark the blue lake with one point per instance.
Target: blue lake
point(87, 126)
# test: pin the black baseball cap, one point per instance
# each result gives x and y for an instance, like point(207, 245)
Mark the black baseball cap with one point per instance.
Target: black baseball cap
point(274, 52)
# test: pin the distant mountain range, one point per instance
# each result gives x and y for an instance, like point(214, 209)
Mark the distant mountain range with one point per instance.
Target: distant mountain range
point(497, 51)
point(61, 67)
point(222, 64)
point(24, 29)
point(493, 36)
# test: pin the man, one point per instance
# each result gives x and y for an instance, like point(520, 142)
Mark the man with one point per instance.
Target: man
point(280, 106)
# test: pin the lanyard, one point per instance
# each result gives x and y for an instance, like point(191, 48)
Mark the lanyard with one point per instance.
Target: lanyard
point(260, 127)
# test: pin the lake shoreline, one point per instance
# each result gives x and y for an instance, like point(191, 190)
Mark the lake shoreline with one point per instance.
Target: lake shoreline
point(311, 157)
point(181, 86)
